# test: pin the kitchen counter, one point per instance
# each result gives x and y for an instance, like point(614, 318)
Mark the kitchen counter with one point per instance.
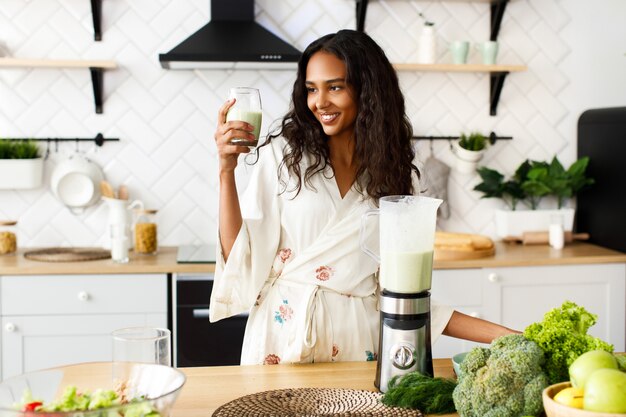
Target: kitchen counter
point(165, 261)
point(207, 388)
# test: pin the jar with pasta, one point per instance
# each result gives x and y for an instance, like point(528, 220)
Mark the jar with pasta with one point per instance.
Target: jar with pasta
point(8, 239)
point(145, 232)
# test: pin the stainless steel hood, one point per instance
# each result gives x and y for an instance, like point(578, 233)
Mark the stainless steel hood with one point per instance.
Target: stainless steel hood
point(232, 40)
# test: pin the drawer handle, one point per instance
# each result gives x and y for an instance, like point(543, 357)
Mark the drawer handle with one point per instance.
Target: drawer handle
point(83, 296)
point(203, 313)
point(493, 277)
point(10, 327)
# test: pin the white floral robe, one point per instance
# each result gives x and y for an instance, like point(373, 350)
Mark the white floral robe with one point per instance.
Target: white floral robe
point(297, 267)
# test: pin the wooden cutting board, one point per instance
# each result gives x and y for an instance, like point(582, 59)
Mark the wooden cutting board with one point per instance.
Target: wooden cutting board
point(460, 246)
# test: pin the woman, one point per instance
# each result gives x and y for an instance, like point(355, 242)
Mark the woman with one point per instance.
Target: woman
point(290, 252)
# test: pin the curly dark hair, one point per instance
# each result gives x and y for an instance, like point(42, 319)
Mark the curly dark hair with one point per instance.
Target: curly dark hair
point(383, 132)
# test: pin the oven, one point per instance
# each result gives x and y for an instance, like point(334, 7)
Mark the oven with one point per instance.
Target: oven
point(198, 342)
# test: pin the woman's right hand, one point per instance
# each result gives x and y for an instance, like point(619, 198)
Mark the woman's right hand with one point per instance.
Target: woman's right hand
point(227, 131)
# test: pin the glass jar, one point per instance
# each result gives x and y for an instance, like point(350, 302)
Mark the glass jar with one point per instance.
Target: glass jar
point(8, 239)
point(145, 232)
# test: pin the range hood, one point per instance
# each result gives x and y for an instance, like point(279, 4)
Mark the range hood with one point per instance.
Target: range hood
point(232, 40)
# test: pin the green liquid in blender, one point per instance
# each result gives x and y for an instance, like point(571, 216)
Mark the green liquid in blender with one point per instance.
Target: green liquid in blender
point(406, 272)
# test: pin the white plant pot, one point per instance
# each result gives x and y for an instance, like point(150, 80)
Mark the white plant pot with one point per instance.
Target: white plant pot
point(516, 222)
point(466, 161)
point(21, 174)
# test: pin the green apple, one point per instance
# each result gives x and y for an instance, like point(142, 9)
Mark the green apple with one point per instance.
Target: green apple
point(587, 363)
point(605, 391)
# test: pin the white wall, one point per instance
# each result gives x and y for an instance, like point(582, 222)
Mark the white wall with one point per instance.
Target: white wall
point(574, 50)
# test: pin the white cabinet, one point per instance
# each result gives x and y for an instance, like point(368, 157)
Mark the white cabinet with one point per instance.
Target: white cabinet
point(57, 320)
point(518, 296)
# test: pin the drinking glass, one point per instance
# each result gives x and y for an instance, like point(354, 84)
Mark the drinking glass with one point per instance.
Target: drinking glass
point(247, 108)
point(133, 345)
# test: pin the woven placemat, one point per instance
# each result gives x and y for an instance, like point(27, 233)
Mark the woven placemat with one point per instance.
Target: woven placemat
point(312, 402)
point(67, 254)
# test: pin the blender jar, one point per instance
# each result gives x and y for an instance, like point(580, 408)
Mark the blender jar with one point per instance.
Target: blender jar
point(146, 232)
point(8, 239)
point(407, 240)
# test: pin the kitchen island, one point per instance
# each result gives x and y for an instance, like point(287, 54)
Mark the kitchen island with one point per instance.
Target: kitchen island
point(207, 388)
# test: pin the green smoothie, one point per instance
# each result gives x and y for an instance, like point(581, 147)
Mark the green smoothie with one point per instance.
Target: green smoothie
point(251, 117)
point(406, 272)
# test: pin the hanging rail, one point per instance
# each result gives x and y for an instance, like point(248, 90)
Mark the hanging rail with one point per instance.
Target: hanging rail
point(99, 139)
point(492, 138)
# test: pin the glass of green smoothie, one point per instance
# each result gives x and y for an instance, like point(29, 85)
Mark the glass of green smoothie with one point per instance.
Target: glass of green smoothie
point(247, 108)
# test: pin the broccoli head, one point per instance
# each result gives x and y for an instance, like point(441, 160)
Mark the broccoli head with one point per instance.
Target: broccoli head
point(562, 335)
point(504, 380)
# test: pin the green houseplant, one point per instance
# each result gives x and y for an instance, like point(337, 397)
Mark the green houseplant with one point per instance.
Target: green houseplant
point(21, 165)
point(530, 184)
point(469, 149)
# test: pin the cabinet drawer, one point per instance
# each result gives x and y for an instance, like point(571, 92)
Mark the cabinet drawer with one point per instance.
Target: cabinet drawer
point(458, 287)
point(83, 294)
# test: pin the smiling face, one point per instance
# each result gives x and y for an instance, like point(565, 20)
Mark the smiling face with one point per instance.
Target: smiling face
point(329, 97)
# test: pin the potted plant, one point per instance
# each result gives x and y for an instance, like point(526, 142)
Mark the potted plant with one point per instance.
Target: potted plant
point(21, 166)
point(469, 150)
point(530, 184)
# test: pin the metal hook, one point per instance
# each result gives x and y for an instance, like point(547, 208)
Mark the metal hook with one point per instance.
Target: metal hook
point(47, 151)
point(432, 153)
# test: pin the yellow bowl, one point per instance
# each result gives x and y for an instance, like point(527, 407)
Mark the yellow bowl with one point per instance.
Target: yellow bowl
point(554, 409)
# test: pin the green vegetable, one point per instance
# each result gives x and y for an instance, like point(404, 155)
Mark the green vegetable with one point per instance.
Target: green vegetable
point(504, 380)
point(73, 400)
point(621, 362)
point(24, 149)
point(475, 141)
point(562, 335)
point(415, 390)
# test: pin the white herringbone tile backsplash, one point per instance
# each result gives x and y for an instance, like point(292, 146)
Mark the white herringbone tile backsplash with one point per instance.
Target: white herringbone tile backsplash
point(165, 119)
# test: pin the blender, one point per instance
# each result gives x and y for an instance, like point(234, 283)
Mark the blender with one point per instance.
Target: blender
point(407, 238)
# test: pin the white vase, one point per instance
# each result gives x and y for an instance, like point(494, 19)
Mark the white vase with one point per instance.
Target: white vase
point(21, 174)
point(427, 46)
point(516, 222)
point(466, 160)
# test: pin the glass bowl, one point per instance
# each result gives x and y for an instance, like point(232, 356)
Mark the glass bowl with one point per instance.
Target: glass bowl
point(158, 386)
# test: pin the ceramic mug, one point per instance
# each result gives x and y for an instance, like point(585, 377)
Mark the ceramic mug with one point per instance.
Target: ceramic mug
point(459, 51)
point(489, 51)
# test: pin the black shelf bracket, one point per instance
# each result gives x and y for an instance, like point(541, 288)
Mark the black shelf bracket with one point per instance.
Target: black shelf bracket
point(96, 14)
point(497, 12)
point(361, 10)
point(496, 81)
point(97, 80)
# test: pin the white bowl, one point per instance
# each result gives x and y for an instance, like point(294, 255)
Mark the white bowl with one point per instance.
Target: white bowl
point(76, 182)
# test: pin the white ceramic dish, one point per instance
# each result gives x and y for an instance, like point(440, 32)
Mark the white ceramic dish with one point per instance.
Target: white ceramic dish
point(456, 362)
point(76, 182)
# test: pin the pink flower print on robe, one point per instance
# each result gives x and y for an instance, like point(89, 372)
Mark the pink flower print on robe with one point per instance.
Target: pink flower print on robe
point(284, 313)
point(335, 352)
point(324, 273)
point(271, 359)
point(282, 258)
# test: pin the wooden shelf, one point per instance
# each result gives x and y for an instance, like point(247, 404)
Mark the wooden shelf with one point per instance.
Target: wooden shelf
point(459, 67)
point(56, 63)
point(497, 74)
point(96, 67)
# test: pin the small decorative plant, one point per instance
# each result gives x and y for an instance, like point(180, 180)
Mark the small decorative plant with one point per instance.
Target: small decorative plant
point(24, 149)
point(534, 180)
point(475, 141)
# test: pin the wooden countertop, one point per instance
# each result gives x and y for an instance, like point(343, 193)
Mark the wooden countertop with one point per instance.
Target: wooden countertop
point(515, 254)
point(165, 261)
point(207, 388)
